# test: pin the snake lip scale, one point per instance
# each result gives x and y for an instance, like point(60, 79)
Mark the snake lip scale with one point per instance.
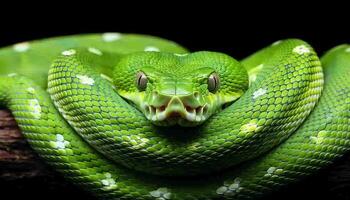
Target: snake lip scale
point(129, 116)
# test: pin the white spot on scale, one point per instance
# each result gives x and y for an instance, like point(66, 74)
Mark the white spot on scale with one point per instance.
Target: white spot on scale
point(12, 74)
point(271, 170)
point(110, 37)
point(59, 137)
point(161, 194)
point(222, 190)
point(151, 48)
point(85, 80)
point(108, 181)
point(69, 52)
point(259, 92)
point(30, 90)
point(60, 143)
point(249, 127)
point(301, 49)
point(95, 51)
point(21, 47)
point(36, 108)
point(347, 50)
point(230, 189)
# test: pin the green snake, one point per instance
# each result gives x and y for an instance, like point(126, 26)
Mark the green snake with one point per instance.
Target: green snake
point(129, 116)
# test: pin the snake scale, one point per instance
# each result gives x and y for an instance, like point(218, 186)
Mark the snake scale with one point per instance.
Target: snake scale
point(129, 116)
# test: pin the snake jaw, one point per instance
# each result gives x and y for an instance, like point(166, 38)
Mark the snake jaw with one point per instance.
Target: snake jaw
point(176, 112)
point(186, 110)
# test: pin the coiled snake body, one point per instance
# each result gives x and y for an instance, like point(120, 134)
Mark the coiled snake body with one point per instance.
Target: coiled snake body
point(138, 117)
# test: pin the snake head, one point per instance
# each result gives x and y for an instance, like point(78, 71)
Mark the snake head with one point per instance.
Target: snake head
point(183, 90)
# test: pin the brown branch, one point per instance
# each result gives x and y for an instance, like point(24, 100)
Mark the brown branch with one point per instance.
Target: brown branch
point(17, 159)
point(23, 174)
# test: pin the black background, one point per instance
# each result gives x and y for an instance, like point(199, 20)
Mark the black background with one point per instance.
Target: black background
point(233, 29)
point(230, 29)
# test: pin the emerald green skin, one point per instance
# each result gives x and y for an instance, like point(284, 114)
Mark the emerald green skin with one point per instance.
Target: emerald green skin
point(95, 132)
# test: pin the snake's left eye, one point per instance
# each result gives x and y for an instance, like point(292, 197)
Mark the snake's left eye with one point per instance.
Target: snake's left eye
point(141, 81)
point(213, 82)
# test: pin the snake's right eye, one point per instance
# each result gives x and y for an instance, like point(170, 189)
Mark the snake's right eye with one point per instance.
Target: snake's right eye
point(141, 81)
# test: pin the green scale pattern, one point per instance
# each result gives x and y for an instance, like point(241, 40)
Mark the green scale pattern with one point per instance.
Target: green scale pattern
point(99, 141)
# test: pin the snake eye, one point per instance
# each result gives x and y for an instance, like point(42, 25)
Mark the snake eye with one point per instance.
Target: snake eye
point(141, 81)
point(213, 82)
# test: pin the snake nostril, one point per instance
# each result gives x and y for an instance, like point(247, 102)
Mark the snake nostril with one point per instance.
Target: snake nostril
point(196, 95)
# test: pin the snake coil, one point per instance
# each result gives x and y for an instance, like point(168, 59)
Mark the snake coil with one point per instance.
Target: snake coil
point(286, 115)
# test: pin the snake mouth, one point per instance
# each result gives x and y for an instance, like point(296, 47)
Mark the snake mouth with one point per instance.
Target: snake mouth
point(176, 113)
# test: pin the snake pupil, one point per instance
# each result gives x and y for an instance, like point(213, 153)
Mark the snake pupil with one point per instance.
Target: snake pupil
point(213, 82)
point(141, 81)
